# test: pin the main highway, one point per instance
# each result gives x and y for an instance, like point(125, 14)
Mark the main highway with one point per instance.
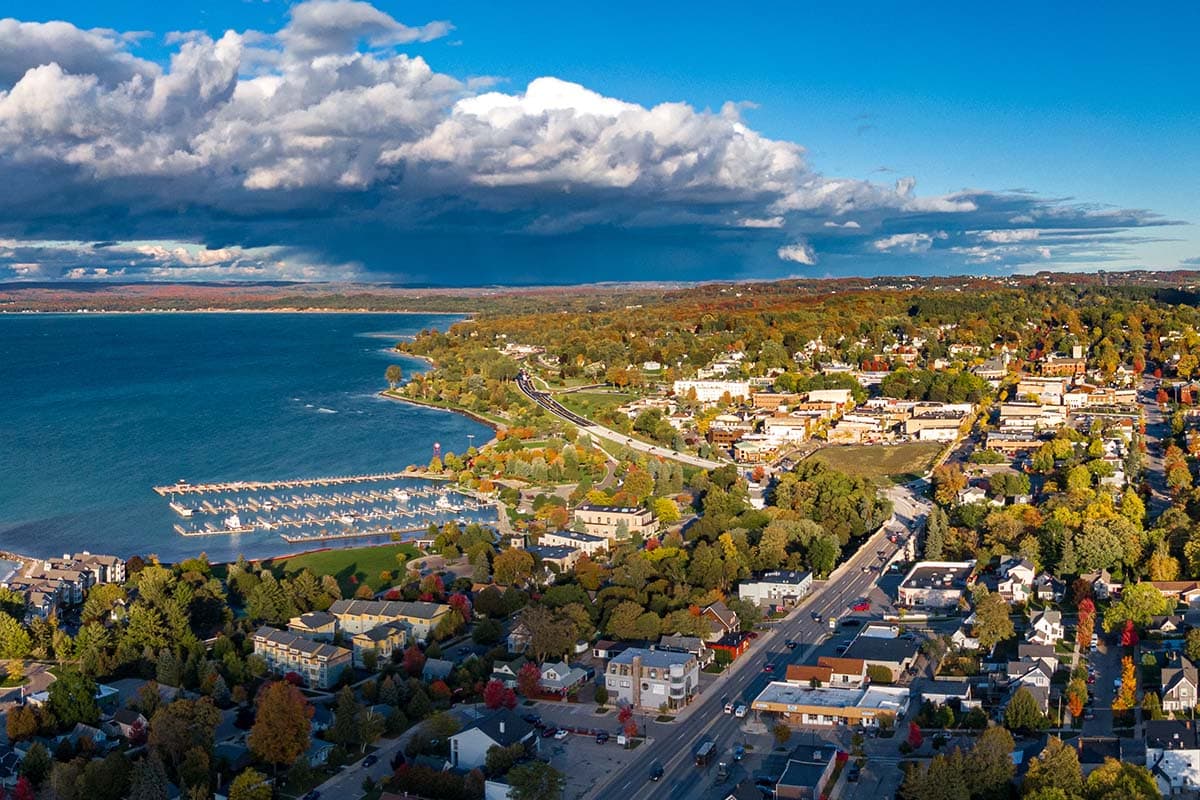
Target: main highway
point(672, 744)
point(546, 400)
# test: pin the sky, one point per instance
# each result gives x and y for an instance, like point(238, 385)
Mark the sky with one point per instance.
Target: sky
point(468, 143)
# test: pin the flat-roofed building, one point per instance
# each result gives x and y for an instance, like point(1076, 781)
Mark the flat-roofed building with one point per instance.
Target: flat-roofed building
point(709, 392)
point(771, 401)
point(320, 664)
point(801, 704)
point(652, 678)
point(587, 543)
point(613, 522)
point(935, 584)
point(778, 587)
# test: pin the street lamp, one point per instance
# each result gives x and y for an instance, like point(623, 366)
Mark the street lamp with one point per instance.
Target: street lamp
point(470, 440)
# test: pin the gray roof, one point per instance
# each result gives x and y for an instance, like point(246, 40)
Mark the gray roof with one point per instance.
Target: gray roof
point(787, 577)
point(550, 552)
point(437, 667)
point(383, 632)
point(295, 641)
point(874, 648)
point(387, 608)
point(806, 768)
point(659, 659)
point(317, 619)
point(1171, 735)
point(515, 728)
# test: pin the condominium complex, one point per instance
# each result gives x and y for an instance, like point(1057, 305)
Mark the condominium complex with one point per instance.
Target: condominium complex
point(614, 522)
point(318, 663)
point(360, 616)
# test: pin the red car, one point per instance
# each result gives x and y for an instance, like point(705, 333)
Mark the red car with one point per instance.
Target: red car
point(863, 606)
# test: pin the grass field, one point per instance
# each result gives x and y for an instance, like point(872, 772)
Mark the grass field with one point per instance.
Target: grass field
point(881, 463)
point(587, 404)
point(363, 563)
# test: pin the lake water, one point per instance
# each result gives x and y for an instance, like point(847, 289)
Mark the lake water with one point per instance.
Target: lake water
point(97, 409)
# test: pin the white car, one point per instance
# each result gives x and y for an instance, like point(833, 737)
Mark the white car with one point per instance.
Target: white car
point(729, 708)
point(741, 711)
point(561, 733)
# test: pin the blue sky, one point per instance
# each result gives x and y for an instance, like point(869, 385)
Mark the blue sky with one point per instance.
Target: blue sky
point(1085, 113)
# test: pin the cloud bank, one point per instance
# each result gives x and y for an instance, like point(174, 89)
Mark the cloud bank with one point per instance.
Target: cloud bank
point(322, 150)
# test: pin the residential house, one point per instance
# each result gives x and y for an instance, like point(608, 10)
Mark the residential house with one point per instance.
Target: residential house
point(722, 618)
point(935, 584)
point(1173, 756)
point(735, 644)
point(125, 723)
point(318, 752)
point(603, 649)
point(1031, 651)
point(807, 773)
point(1187, 592)
point(1102, 584)
point(1045, 627)
point(560, 678)
point(358, 616)
point(506, 671)
point(963, 638)
point(382, 640)
point(1047, 588)
point(778, 587)
point(562, 558)
point(320, 664)
point(519, 638)
point(950, 692)
point(320, 626)
point(678, 643)
point(436, 669)
point(1016, 580)
point(652, 678)
point(1167, 625)
point(502, 728)
point(1180, 686)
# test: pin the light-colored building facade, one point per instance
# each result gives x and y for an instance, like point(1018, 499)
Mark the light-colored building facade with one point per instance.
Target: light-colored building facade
point(359, 616)
point(803, 704)
point(318, 663)
point(652, 679)
point(609, 521)
point(383, 640)
point(778, 587)
point(709, 392)
point(935, 584)
point(587, 543)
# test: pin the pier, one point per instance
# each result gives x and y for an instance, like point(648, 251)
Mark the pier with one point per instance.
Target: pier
point(183, 487)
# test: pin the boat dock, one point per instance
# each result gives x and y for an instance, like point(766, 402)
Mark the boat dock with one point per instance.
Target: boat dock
point(183, 487)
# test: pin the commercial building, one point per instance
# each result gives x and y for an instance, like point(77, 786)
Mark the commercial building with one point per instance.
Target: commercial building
point(586, 543)
point(318, 663)
point(807, 773)
point(710, 392)
point(359, 616)
point(935, 584)
point(802, 704)
point(652, 679)
point(779, 587)
point(614, 522)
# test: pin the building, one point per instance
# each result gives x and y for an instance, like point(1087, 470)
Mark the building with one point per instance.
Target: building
point(687, 644)
point(807, 773)
point(506, 671)
point(778, 587)
point(519, 638)
point(563, 558)
point(383, 640)
point(1016, 580)
point(935, 584)
point(881, 646)
point(802, 704)
point(320, 626)
point(106, 569)
point(615, 522)
point(1173, 756)
point(1180, 686)
point(843, 673)
point(652, 679)
point(358, 616)
point(722, 618)
point(1046, 627)
point(586, 543)
point(709, 392)
point(503, 728)
point(560, 678)
point(318, 663)
point(950, 692)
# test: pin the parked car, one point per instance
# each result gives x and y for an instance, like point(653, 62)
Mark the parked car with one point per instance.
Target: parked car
point(862, 605)
point(561, 733)
point(656, 771)
point(549, 731)
point(370, 760)
point(768, 668)
point(741, 711)
point(601, 737)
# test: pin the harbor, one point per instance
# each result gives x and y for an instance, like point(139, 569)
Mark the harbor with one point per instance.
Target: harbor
point(302, 510)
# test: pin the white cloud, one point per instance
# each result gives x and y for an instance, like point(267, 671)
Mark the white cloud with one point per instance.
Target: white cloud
point(1008, 236)
point(799, 252)
point(908, 242)
point(848, 224)
point(759, 222)
point(337, 26)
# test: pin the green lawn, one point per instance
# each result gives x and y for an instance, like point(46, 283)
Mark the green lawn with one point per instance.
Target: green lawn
point(364, 563)
point(888, 462)
point(587, 404)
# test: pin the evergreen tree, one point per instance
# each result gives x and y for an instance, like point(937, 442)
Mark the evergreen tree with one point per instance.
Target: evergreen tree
point(937, 526)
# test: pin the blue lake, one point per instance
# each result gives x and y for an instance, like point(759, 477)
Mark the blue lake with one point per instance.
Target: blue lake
point(97, 409)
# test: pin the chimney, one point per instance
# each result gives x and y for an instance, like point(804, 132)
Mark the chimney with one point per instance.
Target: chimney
point(502, 727)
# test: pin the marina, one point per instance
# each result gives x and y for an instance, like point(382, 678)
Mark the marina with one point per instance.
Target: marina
point(325, 509)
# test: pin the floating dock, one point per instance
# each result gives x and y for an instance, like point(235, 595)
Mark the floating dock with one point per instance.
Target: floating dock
point(183, 487)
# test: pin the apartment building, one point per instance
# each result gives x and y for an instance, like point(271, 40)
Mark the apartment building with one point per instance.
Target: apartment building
point(709, 392)
point(609, 521)
point(360, 616)
point(318, 663)
point(383, 640)
point(587, 543)
point(652, 679)
point(778, 587)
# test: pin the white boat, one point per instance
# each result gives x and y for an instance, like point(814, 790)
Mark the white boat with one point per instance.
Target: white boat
point(233, 522)
point(443, 503)
point(400, 495)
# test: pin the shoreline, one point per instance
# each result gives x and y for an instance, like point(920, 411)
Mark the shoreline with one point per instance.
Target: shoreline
point(274, 310)
point(496, 427)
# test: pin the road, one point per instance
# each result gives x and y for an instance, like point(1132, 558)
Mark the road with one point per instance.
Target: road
point(672, 744)
point(547, 401)
point(1158, 433)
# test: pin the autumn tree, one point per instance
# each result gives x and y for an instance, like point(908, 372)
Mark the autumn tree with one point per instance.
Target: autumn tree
point(992, 622)
point(1121, 780)
point(1056, 767)
point(1127, 694)
point(177, 728)
point(497, 695)
point(1087, 623)
point(394, 374)
point(948, 481)
point(512, 566)
point(281, 726)
point(529, 679)
point(250, 785)
point(1139, 602)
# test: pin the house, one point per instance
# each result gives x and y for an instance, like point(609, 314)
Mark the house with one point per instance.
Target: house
point(560, 678)
point(1045, 627)
point(687, 644)
point(563, 558)
point(603, 649)
point(950, 692)
point(10, 766)
point(125, 723)
point(807, 773)
point(778, 587)
point(382, 640)
point(1101, 583)
point(519, 638)
point(828, 671)
point(359, 616)
point(81, 732)
point(652, 678)
point(1046, 587)
point(1028, 651)
point(823, 706)
point(890, 652)
point(963, 638)
point(506, 671)
point(1167, 625)
point(586, 543)
point(436, 669)
point(318, 663)
point(971, 494)
point(1180, 686)
point(1173, 756)
point(502, 728)
point(318, 752)
point(935, 584)
point(723, 619)
point(1187, 592)
point(735, 644)
point(320, 626)
point(1029, 673)
point(1016, 580)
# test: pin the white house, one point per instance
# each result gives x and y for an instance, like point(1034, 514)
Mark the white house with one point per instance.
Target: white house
point(1016, 580)
point(503, 728)
point(1180, 686)
point(1173, 756)
point(779, 587)
point(1045, 627)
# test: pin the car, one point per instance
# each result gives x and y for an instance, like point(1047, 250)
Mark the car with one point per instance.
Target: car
point(862, 605)
point(851, 623)
point(656, 771)
point(768, 667)
point(1091, 679)
point(816, 617)
point(549, 731)
point(729, 708)
point(532, 719)
point(866, 569)
point(790, 644)
point(741, 711)
point(601, 737)
point(752, 635)
point(370, 761)
point(561, 733)
point(739, 752)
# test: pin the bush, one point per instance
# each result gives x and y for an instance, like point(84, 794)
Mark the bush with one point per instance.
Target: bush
point(878, 673)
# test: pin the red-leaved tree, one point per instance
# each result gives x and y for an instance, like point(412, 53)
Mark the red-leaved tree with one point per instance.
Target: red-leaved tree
point(497, 695)
point(461, 603)
point(915, 739)
point(529, 679)
point(414, 660)
point(1129, 637)
point(628, 723)
point(1087, 623)
point(23, 790)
